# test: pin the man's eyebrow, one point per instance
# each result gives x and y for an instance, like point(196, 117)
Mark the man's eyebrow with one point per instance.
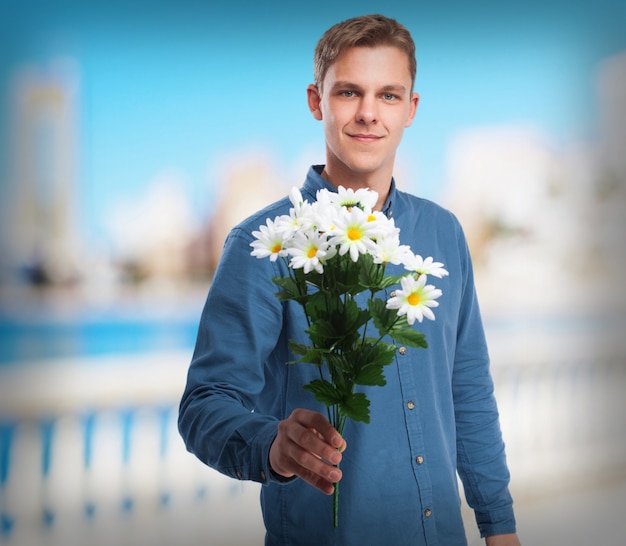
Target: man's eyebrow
point(394, 88)
point(345, 85)
point(350, 86)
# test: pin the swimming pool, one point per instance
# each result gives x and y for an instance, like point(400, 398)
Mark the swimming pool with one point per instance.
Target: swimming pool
point(32, 339)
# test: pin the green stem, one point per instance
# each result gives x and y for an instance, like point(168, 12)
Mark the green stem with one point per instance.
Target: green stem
point(340, 424)
point(380, 338)
point(336, 504)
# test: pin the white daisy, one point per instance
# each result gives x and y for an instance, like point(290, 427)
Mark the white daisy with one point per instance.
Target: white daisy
point(415, 299)
point(421, 266)
point(381, 226)
point(309, 251)
point(295, 196)
point(298, 214)
point(363, 198)
point(319, 217)
point(270, 241)
point(390, 251)
point(353, 233)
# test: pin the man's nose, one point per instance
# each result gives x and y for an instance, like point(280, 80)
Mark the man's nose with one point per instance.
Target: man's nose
point(367, 112)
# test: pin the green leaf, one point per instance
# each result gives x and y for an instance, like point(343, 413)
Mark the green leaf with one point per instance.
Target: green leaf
point(346, 275)
point(408, 336)
point(383, 318)
point(339, 362)
point(324, 391)
point(356, 406)
point(335, 324)
point(388, 322)
point(312, 278)
point(298, 348)
point(309, 354)
point(323, 334)
point(377, 352)
point(371, 375)
point(390, 280)
point(291, 290)
point(372, 358)
point(371, 275)
point(352, 317)
point(319, 305)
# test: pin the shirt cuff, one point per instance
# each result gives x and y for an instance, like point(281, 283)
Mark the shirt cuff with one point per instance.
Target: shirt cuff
point(496, 522)
point(260, 470)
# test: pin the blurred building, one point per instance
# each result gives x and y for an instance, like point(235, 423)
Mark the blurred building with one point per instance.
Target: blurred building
point(610, 216)
point(611, 88)
point(154, 236)
point(41, 238)
point(544, 218)
point(150, 235)
point(244, 187)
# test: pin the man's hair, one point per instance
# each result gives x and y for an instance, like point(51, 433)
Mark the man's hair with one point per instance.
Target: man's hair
point(365, 31)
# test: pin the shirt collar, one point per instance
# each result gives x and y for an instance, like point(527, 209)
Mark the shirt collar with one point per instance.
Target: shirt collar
point(314, 182)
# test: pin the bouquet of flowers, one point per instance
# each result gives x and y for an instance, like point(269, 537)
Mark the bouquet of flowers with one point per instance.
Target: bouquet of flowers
point(337, 248)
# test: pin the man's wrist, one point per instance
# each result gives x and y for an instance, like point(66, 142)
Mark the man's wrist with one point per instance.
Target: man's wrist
point(275, 476)
point(509, 539)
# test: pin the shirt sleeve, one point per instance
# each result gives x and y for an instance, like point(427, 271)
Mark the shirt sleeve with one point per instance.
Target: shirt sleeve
point(481, 460)
point(239, 327)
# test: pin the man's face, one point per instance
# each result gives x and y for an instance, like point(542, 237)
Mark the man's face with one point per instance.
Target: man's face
point(365, 105)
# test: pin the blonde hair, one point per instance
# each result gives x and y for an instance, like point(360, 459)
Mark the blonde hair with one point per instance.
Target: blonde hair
point(365, 31)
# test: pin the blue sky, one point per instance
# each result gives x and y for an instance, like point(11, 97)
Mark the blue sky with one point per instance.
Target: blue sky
point(180, 85)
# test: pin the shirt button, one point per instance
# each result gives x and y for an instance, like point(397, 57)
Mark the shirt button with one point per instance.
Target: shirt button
point(410, 404)
point(393, 294)
point(419, 459)
point(262, 475)
point(402, 350)
point(239, 474)
point(428, 512)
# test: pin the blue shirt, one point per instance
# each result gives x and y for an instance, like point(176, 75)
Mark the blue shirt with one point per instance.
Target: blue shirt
point(437, 414)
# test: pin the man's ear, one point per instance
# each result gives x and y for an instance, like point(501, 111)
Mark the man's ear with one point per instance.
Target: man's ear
point(314, 100)
point(415, 98)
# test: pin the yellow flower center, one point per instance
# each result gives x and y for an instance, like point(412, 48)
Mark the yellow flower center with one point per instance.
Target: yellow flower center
point(413, 298)
point(354, 234)
point(276, 248)
point(371, 218)
point(312, 252)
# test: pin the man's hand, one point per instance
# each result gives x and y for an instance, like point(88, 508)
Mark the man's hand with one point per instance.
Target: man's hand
point(308, 446)
point(503, 540)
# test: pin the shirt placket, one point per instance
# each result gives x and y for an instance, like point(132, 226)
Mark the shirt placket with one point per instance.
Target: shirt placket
point(415, 437)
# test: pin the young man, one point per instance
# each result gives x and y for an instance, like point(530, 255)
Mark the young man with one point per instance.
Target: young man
point(244, 411)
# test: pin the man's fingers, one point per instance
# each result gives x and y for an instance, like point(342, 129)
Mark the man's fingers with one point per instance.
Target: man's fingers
point(304, 431)
point(322, 477)
point(307, 458)
point(315, 420)
point(308, 446)
point(324, 486)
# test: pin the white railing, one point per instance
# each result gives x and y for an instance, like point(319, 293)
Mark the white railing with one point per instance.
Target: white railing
point(560, 389)
point(89, 451)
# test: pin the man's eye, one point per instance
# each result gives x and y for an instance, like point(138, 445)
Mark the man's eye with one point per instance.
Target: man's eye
point(347, 93)
point(389, 96)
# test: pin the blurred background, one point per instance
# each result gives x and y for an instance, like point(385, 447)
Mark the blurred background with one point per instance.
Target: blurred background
point(133, 135)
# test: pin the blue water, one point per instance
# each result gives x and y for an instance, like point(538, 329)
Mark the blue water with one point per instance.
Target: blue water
point(26, 341)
